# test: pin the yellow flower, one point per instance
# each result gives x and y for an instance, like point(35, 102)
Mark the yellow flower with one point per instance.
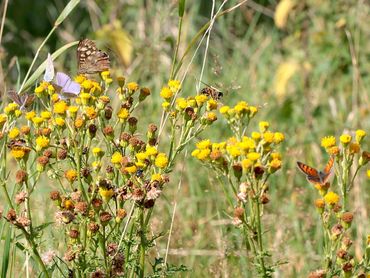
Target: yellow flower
point(276, 156)
point(252, 111)
point(97, 152)
point(360, 134)
point(278, 137)
point(141, 156)
point(96, 165)
point(331, 198)
point(354, 148)
point(328, 141)
point(241, 107)
point(263, 126)
point(247, 164)
point(201, 99)
point(174, 85)
point(161, 161)
point(14, 133)
point(18, 153)
point(11, 107)
point(85, 97)
point(224, 109)
point(106, 193)
point(91, 112)
point(132, 86)
point(80, 78)
point(275, 164)
point(3, 118)
point(282, 12)
point(253, 156)
point(219, 146)
point(166, 105)
point(247, 143)
point(201, 154)
point(156, 177)
point(345, 139)
point(79, 122)
point(123, 114)
point(96, 88)
point(37, 121)
point(60, 121)
point(87, 84)
point(105, 74)
point(72, 111)
point(150, 150)
point(17, 113)
point(60, 107)
point(29, 115)
point(46, 115)
point(131, 169)
point(234, 151)
point(54, 98)
point(368, 173)
point(70, 175)
point(42, 142)
point(268, 137)
point(116, 158)
point(166, 93)
point(204, 144)
point(333, 150)
point(211, 104)
point(256, 135)
point(181, 104)
point(211, 117)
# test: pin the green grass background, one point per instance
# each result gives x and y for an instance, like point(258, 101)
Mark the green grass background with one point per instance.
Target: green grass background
point(244, 54)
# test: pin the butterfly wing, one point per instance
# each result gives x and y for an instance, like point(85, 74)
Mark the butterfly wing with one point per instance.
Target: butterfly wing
point(13, 95)
point(312, 174)
point(49, 69)
point(71, 89)
point(325, 174)
point(62, 79)
point(90, 58)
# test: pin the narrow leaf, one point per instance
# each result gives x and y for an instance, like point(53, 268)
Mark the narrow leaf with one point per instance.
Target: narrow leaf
point(66, 11)
point(181, 8)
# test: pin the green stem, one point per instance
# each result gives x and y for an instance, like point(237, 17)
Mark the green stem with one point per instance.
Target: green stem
point(177, 48)
point(259, 238)
point(142, 243)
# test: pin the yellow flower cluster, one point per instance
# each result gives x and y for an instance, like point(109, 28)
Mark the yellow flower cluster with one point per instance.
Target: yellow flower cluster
point(348, 144)
point(240, 110)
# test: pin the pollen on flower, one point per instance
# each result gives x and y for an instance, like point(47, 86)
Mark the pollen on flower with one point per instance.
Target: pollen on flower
point(331, 198)
point(161, 161)
point(333, 150)
point(328, 141)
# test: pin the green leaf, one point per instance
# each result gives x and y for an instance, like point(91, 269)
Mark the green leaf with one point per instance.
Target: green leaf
point(66, 11)
point(6, 253)
point(181, 8)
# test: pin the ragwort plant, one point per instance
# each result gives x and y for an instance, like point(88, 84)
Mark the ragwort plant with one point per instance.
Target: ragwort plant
point(243, 165)
point(335, 211)
point(107, 176)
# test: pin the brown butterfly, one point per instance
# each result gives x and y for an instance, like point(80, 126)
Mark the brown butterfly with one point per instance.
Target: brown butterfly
point(314, 175)
point(17, 144)
point(23, 100)
point(90, 58)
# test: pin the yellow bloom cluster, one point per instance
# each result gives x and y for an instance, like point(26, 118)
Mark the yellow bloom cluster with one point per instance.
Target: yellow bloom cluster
point(240, 110)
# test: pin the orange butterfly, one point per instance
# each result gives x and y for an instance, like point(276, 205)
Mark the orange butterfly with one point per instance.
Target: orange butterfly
point(314, 175)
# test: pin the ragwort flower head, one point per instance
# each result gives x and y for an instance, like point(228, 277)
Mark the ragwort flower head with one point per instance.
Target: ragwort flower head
point(328, 141)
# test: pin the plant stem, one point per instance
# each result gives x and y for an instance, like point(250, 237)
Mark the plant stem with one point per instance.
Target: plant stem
point(142, 243)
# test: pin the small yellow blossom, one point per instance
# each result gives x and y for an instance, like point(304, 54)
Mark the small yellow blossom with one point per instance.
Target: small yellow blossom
point(201, 99)
point(211, 104)
point(253, 156)
point(60, 107)
point(17, 113)
point(131, 169)
point(368, 173)
point(14, 133)
point(360, 134)
point(150, 150)
point(333, 151)
point(252, 111)
point(46, 115)
point(80, 78)
point(123, 114)
point(161, 161)
point(91, 112)
point(156, 177)
point(181, 104)
point(354, 148)
point(234, 151)
point(18, 153)
point(37, 121)
point(105, 74)
point(59, 121)
point(3, 118)
point(166, 93)
point(247, 164)
point(241, 108)
point(201, 154)
point(345, 139)
point(106, 193)
point(117, 158)
point(263, 126)
point(79, 122)
point(10, 108)
point(72, 111)
point(141, 156)
point(224, 109)
point(42, 142)
point(211, 117)
point(132, 86)
point(331, 198)
point(29, 115)
point(204, 144)
point(70, 175)
point(86, 84)
point(174, 85)
point(328, 141)
point(275, 164)
point(247, 143)
point(166, 105)
point(97, 152)
point(268, 137)
point(85, 97)
point(278, 137)
point(54, 98)
point(276, 156)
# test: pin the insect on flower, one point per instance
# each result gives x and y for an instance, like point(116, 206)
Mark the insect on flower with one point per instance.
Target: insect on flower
point(91, 59)
point(18, 144)
point(315, 176)
point(65, 86)
point(23, 100)
point(212, 92)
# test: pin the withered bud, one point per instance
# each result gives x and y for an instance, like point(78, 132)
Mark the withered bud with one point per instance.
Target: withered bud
point(98, 274)
point(121, 213)
point(121, 81)
point(149, 203)
point(347, 217)
point(337, 208)
point(239, 212)
point(264, 199)
point(108, 131)
point(25, 130)
point(317, 274)
point(347, 267)
point(85, 172)
point(92, 130)
point(81, 207)
point(93, 227)
point(47, 153)
point(144, 92)
point(134, 141)
point(112, 249)
point(152, 128)
point(43, 160)
point(109, 169)
point(346, 242)
point(11, 215)
point(125, 136)
point(20, 197)
point(69, 256)
point(85, 150)
point(76, 196)
point(238, 170)
point(258, 171)
point(342, 254)
point(62, 154)
point(46, 131)
point(21, 176)
point(337, 230)
point(152, 141)
point(138, 194)
point(54, 195)
point(132, 121)
point(97, 203)
point(23, 221)
point(189, 113)
point(108, 112)
point(73, 233)
point(105, 217)
point(165, 178)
